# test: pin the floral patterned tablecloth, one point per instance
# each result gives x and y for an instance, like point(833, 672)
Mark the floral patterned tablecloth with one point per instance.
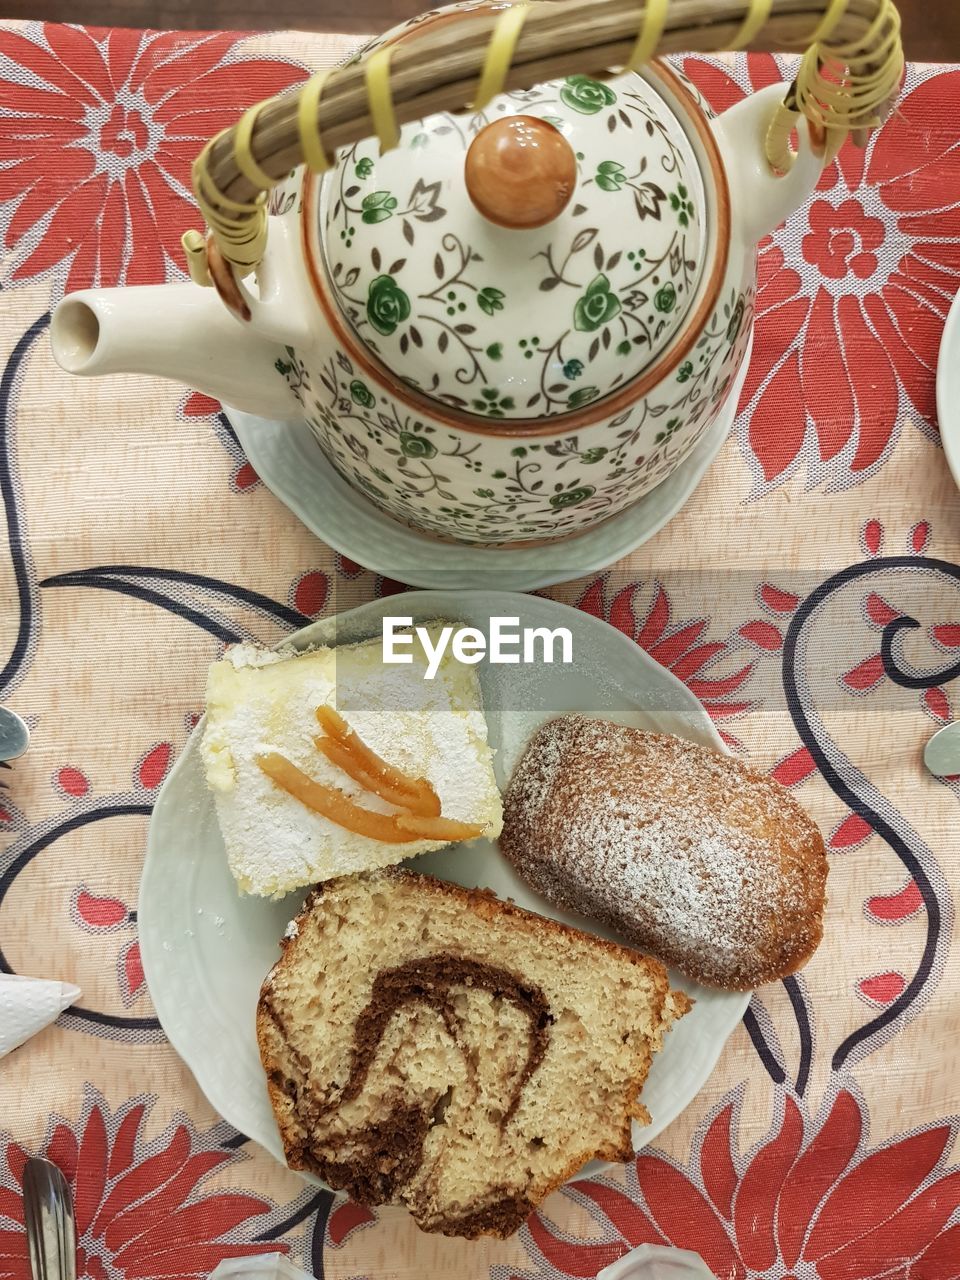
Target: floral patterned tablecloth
point(809, 594)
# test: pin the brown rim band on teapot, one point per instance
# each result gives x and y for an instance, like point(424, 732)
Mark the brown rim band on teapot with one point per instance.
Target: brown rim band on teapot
point(848, 79)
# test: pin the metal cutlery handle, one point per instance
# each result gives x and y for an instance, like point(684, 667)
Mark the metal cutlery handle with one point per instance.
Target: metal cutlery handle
point(48, 1213)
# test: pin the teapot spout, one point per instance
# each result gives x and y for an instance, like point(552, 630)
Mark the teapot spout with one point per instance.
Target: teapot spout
point(177, 331)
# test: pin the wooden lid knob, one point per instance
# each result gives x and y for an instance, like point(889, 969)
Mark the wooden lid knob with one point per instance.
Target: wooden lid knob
point(520, 172)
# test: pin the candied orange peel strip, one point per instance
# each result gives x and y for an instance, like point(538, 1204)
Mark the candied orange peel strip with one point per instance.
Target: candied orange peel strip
point(363, 764)
point(333, 804)
point(391, 828)
point(446, 829)
point(423, 802)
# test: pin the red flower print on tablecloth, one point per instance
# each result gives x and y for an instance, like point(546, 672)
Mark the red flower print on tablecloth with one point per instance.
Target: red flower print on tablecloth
point(151, 768)
point(346, 1218)
point(98, 130)
point(714, 670)
point(140, 1210)
point(842, 240)
point(71, 781)
point(894, 908)
point(98, 914)
point(868, 675)
point(348, 568)
point(812, 1201)
point(130, 976)
point(881, 988)
point(309, 592)
point(198, 405)
point(860, 279)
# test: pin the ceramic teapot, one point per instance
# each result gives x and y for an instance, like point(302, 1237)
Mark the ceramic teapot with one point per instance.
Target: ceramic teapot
point(505, 329)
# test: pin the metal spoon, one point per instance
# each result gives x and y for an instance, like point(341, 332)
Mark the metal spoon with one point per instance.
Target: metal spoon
point(941, 755)
point(14, 735)
point(48, 1214)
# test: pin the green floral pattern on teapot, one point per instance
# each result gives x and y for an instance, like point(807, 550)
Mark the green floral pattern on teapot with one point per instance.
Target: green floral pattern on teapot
point(597, 307)
point(587, 96)
point(495, 323)
point(477, 328)
point(451, 481)
point(387, 304)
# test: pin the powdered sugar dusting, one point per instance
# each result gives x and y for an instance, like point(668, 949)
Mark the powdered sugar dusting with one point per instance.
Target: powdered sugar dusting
point(688, 853)
point(251, 655)
point(258, 704)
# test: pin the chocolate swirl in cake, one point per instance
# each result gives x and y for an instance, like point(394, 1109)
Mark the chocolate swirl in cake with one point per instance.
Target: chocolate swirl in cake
point(430, 981)
point(426, 1045)
point(384, 1156)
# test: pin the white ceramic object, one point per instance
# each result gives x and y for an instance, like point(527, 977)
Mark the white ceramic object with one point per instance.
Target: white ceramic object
point(285, 457)
point(654, 1262)
point(514, 310)
point(482, 379)
point(941, 755)
point(948, 390)
point(206, 950)
point(259, 1266)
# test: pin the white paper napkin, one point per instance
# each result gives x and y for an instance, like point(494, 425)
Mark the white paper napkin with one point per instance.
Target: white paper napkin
point(27, 1005)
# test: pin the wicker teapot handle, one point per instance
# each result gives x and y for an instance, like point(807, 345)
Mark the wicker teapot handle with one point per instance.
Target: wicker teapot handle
point(848, 79)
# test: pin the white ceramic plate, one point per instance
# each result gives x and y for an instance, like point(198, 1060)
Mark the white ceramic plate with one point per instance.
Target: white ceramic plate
point(206, 950)
point(289, 461)
point(948, 389)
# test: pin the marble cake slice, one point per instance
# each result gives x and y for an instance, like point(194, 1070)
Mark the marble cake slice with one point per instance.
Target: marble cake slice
point(434, 1047)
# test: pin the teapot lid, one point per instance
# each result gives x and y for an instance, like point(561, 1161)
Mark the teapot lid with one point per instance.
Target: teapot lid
point(527, 260)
